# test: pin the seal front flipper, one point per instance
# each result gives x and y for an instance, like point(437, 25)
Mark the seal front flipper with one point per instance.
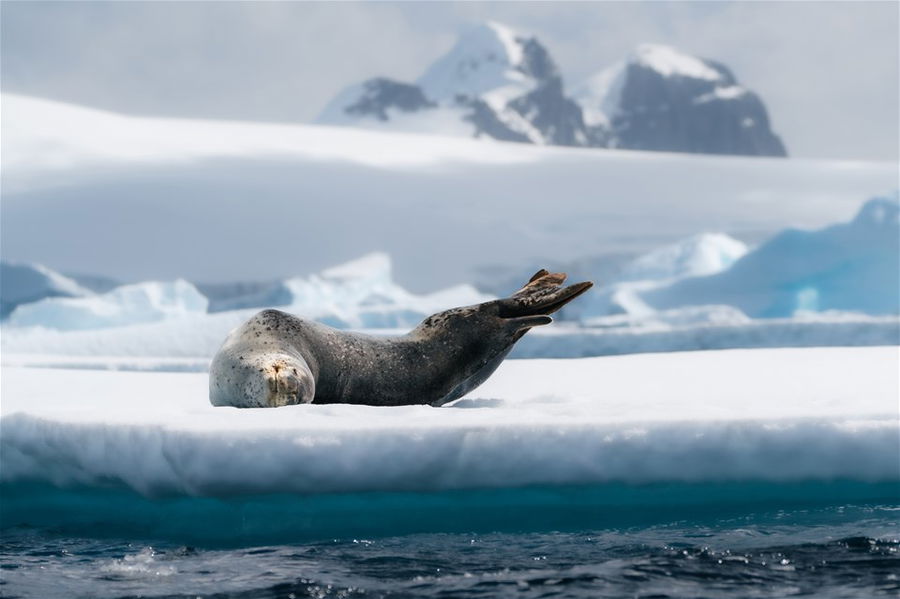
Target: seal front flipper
point(526, 322)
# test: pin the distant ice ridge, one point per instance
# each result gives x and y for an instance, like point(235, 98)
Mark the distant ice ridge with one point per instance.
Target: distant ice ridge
point(125, 305)
point(358, 294)
point(690, 417)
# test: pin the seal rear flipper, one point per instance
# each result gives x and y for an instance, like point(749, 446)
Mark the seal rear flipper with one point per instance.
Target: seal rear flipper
point(542, 294)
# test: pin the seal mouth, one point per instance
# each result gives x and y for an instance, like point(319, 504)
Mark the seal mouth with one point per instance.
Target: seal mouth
point(542, 295)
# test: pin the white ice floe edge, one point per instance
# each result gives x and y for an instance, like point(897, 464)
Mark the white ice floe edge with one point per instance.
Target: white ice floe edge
point(764, 415)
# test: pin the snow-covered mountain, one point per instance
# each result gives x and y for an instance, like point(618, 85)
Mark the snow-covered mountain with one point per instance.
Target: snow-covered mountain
point(500, 84)
point(662, 99)
point(494, 82)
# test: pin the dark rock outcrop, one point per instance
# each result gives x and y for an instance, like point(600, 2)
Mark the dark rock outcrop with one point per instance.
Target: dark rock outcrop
point(679, 113)
point(381, 94)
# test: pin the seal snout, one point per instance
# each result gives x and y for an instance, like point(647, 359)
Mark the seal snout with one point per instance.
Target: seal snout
point(278, 381)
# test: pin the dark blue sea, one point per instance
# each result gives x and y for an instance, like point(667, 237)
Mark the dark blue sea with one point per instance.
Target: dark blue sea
point(818, 540)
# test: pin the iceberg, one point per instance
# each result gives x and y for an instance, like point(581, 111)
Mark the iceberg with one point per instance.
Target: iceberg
point(850, 267)
point(125, 305)
point(357, 294)
point(698, 255)
point(362, 294)
point(22, 283)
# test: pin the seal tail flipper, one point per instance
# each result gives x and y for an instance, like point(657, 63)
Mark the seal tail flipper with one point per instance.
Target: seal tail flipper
point(539, 274)
point(543, 294)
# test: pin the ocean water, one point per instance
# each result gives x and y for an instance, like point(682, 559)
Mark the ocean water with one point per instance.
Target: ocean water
point(829, 542)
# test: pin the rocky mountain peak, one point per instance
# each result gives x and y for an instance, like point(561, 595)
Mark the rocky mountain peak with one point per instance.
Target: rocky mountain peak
point(498, 83)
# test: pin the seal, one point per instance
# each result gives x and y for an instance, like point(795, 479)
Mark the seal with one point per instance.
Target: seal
point(277, 359)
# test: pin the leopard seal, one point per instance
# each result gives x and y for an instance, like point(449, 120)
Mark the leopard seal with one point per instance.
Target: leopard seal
point(277, 359)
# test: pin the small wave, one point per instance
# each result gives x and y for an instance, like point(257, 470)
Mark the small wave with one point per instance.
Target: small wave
point(143, 564)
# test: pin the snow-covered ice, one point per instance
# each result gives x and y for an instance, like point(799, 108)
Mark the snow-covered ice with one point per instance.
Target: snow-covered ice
point(766, 415)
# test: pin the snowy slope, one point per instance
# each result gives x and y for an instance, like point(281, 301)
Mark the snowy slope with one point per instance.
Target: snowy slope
point(337, 193)
point(750, 415)
point(487, 58)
